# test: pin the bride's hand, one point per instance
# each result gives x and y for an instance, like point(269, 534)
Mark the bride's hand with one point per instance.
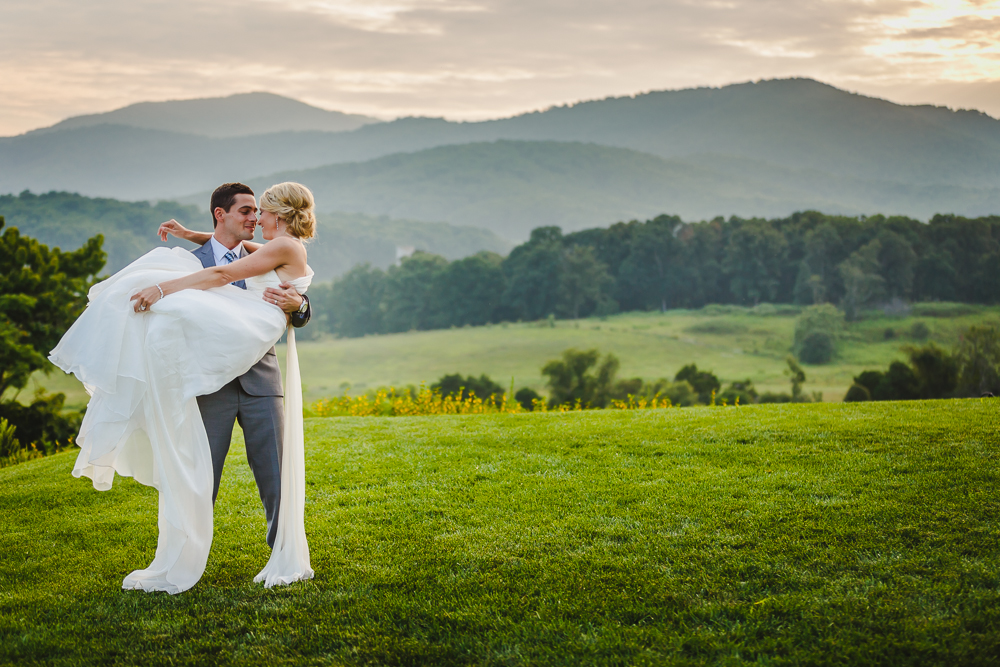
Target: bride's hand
point(144, 299)
point(172, 227)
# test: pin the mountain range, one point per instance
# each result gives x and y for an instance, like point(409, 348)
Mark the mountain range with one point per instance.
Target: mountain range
point(765, 149)
point(233, 116)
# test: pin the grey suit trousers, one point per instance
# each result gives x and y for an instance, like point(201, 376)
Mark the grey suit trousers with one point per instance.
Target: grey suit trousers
point(262, 420)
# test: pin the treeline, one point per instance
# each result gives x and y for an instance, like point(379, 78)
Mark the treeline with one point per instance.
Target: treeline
point(664, 263)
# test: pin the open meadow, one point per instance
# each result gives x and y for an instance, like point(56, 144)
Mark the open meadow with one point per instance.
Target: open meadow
point(732, 342)
point(830, 534)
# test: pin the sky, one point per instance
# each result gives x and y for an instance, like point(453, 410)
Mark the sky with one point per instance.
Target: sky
point(477, 59)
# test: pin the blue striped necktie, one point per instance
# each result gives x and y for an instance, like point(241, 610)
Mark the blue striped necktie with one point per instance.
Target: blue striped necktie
point(230, 257)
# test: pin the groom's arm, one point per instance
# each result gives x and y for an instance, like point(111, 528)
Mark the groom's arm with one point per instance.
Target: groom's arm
point(295, 304)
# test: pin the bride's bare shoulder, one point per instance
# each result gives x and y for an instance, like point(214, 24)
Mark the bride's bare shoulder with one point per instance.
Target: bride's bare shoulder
point(286, 243)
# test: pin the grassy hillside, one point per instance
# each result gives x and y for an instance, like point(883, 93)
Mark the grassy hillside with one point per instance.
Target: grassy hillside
point(67, 220)
point(782, 535)
point(730, 341)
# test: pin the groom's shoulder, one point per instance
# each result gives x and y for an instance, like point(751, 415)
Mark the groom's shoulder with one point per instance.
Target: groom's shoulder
point(204, 252)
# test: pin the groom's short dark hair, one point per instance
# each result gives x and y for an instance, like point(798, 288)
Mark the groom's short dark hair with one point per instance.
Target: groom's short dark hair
point(224, 196)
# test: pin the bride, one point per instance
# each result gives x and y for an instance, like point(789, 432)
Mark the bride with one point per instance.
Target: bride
point(158, 334)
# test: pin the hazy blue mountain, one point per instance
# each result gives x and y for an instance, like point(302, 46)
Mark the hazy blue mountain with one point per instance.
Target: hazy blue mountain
point(511, 187)
point(757, 148)
point(232, 116)
point(66, 220)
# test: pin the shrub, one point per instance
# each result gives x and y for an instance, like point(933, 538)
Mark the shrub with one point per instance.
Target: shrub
point(625, 388)
point(823, 319)
point(43, 424)
point(716, 327)
point(857, 393)
point(482, 388)
point(899, 383)
point(920, 331)
point(936, 370)
point(889, 333)
point(678, 393)
point(571, 382)
point(817, 348)
point(703, 382)
point(978, 361)
point(869, 380)
point(944, 309)
point(527, 397)
point(9, 445)
point(742, 391)
point(772, 397)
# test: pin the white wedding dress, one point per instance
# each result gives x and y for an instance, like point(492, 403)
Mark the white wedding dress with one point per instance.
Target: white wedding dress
point(143, 372)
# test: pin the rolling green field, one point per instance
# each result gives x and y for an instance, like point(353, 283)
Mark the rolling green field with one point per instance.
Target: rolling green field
point(735, 345)
point(829, 534)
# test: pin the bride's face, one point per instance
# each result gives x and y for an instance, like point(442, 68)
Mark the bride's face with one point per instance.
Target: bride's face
point(268, 222)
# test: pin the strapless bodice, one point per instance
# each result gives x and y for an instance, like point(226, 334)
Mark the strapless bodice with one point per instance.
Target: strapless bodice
point(271, 279)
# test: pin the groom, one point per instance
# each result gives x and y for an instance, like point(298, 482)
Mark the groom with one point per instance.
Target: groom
point(254, 399)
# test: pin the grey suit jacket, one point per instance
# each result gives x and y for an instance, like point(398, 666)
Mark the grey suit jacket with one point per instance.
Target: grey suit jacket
point(264, 378)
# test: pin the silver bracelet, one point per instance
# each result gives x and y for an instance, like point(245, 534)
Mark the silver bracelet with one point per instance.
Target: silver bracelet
point(161, 290)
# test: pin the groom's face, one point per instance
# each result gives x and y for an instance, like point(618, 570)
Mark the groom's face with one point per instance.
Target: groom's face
point(241, 218)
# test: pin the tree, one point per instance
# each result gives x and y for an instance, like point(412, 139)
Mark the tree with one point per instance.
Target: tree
point(978, 360)
point(583, 281)
point(863, 283)
point(897, 261)
point(816, 333)
point(817, 270)
point(533, 271)
point(703, 382)
point(899, 383)
point(754, 258)
point(935, 369)
point(467, 291)
point(655, 274)
point(797, 377)
point(409, 292)
point(42, 291)
point(354, 303)
point(570, 380)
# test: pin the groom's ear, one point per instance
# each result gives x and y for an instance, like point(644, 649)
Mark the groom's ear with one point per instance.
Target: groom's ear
point(217, 216)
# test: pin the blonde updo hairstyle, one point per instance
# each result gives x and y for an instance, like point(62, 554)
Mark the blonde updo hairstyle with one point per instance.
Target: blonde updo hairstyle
point(294, 204)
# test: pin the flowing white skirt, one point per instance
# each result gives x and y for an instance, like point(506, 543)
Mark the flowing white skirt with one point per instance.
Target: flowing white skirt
point(143, 373)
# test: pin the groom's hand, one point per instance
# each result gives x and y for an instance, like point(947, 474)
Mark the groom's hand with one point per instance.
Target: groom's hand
point(283, 296)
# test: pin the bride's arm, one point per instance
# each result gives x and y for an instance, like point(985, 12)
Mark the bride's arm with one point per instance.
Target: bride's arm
point(271, 256)
point(175, 228)
point(172, 227)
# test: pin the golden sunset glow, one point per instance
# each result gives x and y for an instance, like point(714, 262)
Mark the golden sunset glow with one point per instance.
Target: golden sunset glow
point(476, 59)
point(958, 40)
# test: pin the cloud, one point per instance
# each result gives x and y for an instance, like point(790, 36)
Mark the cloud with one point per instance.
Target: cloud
point(467, 58)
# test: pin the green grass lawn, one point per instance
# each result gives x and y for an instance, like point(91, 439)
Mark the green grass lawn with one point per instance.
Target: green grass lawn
point(836, 534)
point(735, 346)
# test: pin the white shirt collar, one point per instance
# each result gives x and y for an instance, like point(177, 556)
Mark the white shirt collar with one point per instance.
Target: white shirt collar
point(220, 250)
